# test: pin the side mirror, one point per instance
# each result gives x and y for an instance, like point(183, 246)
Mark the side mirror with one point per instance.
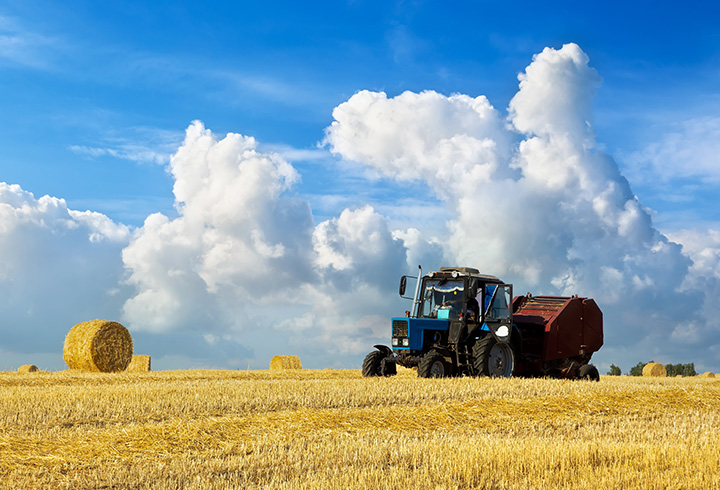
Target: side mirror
point(403, 285)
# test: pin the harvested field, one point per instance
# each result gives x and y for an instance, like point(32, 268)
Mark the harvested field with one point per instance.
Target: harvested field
point(333, 429)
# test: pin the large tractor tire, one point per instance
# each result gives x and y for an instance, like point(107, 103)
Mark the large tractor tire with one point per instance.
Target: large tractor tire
point(372, 365)
point(588, 372)
point(491, 358)
point(433, 365)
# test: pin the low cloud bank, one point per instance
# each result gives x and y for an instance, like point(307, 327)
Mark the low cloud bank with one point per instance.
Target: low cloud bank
point(57, 267)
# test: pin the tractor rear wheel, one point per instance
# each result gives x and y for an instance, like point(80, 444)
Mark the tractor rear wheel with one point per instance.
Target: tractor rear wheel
point(433, 365)
point(372, 365)
point(589, 372)
point(492, 358)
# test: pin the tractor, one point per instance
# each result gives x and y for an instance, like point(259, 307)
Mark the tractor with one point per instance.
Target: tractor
point(463, 323)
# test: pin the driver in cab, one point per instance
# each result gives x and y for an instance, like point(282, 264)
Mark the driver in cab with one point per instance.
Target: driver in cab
point(452, 307)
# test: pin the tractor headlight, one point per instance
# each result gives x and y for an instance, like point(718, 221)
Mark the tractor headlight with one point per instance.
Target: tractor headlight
point(502, 331)
point(395, 342)
point(406, 342)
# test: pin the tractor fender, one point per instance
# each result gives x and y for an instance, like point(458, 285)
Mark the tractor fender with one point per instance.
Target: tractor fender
point(513, 331)
point(384, 349)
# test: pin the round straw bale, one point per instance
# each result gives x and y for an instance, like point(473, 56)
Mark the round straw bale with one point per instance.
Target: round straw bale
point(139, 364)
point(98, 345)
point(654, 369)
point(706, 374)
point(28, 368)
point(285, 362)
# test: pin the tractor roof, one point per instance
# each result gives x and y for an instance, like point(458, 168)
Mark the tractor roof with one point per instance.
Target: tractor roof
point(469, 271)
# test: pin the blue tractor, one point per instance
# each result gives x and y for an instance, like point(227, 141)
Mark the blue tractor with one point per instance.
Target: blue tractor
point(460, 323)
point(466, 323)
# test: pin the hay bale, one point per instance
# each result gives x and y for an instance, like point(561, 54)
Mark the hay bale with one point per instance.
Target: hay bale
point(98, 345)
point(285, 362)
point(139, 364)
point(706, 374)
point(28, 368)
point(654, 369)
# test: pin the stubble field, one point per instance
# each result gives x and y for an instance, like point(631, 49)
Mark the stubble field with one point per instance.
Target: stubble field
point(332, 429)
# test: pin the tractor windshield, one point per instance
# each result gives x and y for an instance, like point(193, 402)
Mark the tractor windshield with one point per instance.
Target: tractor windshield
point(442, 298)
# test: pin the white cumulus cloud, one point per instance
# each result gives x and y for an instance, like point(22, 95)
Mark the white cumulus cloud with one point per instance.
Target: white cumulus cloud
point(446, 141)
point(244, 256)
point(238, 238)
point(58, 267)
point(552, 213)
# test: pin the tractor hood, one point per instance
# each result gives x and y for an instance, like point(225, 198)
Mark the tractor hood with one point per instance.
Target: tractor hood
point(408, 333)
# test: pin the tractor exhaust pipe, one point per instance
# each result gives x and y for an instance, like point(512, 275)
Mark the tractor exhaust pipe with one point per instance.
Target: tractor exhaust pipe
point(416, 300)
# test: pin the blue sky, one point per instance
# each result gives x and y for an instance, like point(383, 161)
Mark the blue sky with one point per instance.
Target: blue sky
point(96, 96)
point(100, 75)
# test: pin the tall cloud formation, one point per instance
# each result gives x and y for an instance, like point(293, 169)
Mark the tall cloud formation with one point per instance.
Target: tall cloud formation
point(550, 213)
point(245, 262)
point(236, 238)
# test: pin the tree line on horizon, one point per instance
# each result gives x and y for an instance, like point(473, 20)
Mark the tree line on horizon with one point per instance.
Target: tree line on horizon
point(671, 369)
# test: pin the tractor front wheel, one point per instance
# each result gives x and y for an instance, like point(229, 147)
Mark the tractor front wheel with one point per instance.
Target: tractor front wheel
point(492, 358)
point(372, 365)
point(433, 365)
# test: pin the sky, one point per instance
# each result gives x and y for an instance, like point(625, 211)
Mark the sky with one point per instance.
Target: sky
point(236, 180)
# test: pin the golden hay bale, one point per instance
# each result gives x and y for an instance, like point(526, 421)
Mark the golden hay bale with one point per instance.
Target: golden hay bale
point(28, 368)
point(706, 374)
point(285, 362)
point(654, 369)
point(98, 345)
point(139, 364)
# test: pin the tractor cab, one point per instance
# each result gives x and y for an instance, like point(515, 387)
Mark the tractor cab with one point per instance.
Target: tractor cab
point(449, 306)
point(471, 298)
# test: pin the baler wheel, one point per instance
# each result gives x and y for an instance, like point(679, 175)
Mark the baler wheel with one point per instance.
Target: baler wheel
point(372, 364)
point(433, 365)
point(491, 358)
point(589, 372)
